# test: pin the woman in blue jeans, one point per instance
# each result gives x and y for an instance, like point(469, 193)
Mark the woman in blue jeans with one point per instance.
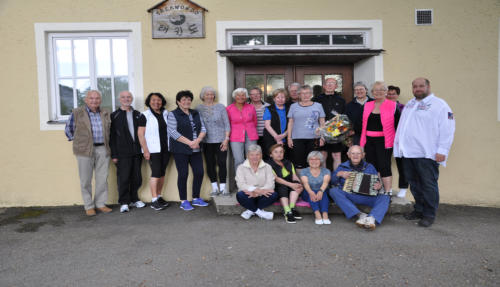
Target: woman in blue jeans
point(315, 180)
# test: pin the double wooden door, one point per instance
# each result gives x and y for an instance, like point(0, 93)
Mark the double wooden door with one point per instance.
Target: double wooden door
point(268, 78)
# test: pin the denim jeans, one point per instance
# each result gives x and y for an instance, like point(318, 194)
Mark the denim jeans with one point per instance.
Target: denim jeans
point(422, 175)
point(346, 201)
point(254, 203)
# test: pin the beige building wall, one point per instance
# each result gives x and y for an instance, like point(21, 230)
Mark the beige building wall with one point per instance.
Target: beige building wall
point(458, 53)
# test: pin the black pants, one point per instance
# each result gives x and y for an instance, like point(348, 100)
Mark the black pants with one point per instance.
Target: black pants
point(403, 182)
point(214, 156)
point(302, 148)
point(181, 162)
point(423, 174)
point(128, 175)
point(158, 162)
point(378, 155)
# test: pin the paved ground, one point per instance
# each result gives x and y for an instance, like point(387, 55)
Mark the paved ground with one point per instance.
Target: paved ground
point(62, 247)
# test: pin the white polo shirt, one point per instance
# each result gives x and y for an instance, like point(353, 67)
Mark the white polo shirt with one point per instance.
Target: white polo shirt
point(426, 127)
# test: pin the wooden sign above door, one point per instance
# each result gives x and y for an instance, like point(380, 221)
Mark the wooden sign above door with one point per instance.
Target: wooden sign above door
point(175, 19)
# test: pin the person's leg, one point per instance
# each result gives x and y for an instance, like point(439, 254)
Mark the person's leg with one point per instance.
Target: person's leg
point(136, 176)
point(282, 192)
point(314, 204)
point(165, 157)
point(324, 203)
point(380, 205)
point(155, 164)
point(85, 171)
point(209, 152)
point(101, 176)
point(402, 182)
point(124, 168)
point(384, 157)
point(238, 150)
point(222, 164)
point(263, 202)
point(297, 154)
point(428, 170)
point(248, 143)
point(371, 152)
point(196, 162)
point(246, 202)
point(343, 201)
point(294, 196)
point(181, 162)
point(413, 177)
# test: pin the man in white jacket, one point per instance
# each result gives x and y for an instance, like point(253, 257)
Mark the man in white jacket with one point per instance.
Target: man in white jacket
point(423, 140)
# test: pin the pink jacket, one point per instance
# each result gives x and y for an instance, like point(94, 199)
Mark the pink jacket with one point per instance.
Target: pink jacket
point(387, 110)
point(241, 122)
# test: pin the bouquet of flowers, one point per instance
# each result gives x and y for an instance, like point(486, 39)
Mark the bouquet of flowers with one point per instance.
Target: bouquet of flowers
point(336, 130)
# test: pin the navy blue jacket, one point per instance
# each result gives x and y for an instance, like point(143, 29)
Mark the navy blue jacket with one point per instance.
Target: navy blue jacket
point(185, 129)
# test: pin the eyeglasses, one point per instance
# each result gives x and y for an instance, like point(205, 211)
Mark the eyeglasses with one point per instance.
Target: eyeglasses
point(355, 153)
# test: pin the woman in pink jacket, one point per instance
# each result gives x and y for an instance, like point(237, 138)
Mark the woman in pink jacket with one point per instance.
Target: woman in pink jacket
point(243, 120)
point(380, 119)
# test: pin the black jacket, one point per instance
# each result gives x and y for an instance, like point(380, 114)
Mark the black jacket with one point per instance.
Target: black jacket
point(354, 111)
point(330, 103)
point(120, 140)
point(268, 139)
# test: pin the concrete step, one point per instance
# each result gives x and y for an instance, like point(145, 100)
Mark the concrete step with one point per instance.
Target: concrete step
point(228, 205)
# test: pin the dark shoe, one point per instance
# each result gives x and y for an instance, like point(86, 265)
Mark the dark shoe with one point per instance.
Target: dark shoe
point(413, 215)
point(426, 222)
point(162, 201)
point(296, 214)
point(156, 205)
point(289, 218)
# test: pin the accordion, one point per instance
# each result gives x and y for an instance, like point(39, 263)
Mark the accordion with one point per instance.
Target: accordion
point(362, 183)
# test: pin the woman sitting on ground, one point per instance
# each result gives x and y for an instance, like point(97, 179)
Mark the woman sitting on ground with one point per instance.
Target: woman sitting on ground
point(255, 180)
point(315, 180)
point(287, 186)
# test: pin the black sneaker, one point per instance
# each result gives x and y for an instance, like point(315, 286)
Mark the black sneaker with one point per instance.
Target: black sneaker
point(296, 214)
point(413, 215)
point(289, 218)
point(426, 221)
point(156, 205)
point(162, 201)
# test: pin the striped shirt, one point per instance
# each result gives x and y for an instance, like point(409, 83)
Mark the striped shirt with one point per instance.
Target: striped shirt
point(172, 128)
point(95, 125)
point(260, 121)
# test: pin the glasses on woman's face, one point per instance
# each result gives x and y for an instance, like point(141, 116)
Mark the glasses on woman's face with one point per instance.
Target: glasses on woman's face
point(379, 91)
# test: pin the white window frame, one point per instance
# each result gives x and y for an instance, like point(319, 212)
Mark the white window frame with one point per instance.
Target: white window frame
point(364, 32)
point(47, 91)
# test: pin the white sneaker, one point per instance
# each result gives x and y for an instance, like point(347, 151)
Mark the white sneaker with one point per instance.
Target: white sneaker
point(318, 221)
point(370, 223)
point(222, 188)
point(327, 221)
point(247, 214)
point(361, 220)
point(215, 189)
point(267, 215)
point(402, 193)
point(124, 208)
point(138, 204)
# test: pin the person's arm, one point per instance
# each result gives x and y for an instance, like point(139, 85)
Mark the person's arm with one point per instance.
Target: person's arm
point(141, 131)
point(289, 135)
point(227, 129)
point(173, 133)
point(240, 179)
point(113, 142)
point(446, 131)
point(307, 187)
point(397, 116)
point(203, 131)
point(69, 129)
point(269, 184)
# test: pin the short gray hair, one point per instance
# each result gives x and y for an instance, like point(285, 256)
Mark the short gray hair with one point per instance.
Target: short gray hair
point(379, 83)
point(316, 154)
point(294, 84)
point(360, 84)
point(254, 148)
point(205, 90)
point(93, 91)
point(356, 146)
point(240, 91)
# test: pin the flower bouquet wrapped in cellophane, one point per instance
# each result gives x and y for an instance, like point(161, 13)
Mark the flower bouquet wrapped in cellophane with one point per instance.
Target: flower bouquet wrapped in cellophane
point(336, 130)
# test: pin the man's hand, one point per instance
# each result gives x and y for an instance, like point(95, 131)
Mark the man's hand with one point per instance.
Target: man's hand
point(115, 160)
point(440, 157)
point(343, 174)
point(377, 185)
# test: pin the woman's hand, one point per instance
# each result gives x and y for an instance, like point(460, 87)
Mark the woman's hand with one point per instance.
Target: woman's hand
point(296, 186)
point(223, 145)
point(266, 192)
point(321, 142)
point(251, 194)
point(194, 144)
point(312, 195)
point(147, 155)
point(319, 195)
point(115, 160)
point(290, 142)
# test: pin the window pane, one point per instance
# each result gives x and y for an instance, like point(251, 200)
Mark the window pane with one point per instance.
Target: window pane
point(313, 80)
point(103, 57)
point(314, 39)
point(252, 81)
point(82, 87)
point(282, 39)
point(66, 101)
point(274, 82)
point(81, 57)
point(120, 59)
point(347, 39)
point(104, 86)
point(252, 40)
point(64, 60)
point(337, 77)
point(121, 84)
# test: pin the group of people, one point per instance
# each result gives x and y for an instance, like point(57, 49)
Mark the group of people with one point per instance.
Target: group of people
point(278, 155)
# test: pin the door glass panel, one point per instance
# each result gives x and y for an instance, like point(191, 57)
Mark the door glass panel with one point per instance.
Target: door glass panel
point(314, 39)
point(313, 80)
point(66, 96)
point(274, 82)
point(81, 57)
point(347, 39)
point(337, 77)
point(282, 39)
point(82, 87)
point(250, 40)
point(64, 58)
point(252, 81)
point(104, 86)
point(121, 84)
